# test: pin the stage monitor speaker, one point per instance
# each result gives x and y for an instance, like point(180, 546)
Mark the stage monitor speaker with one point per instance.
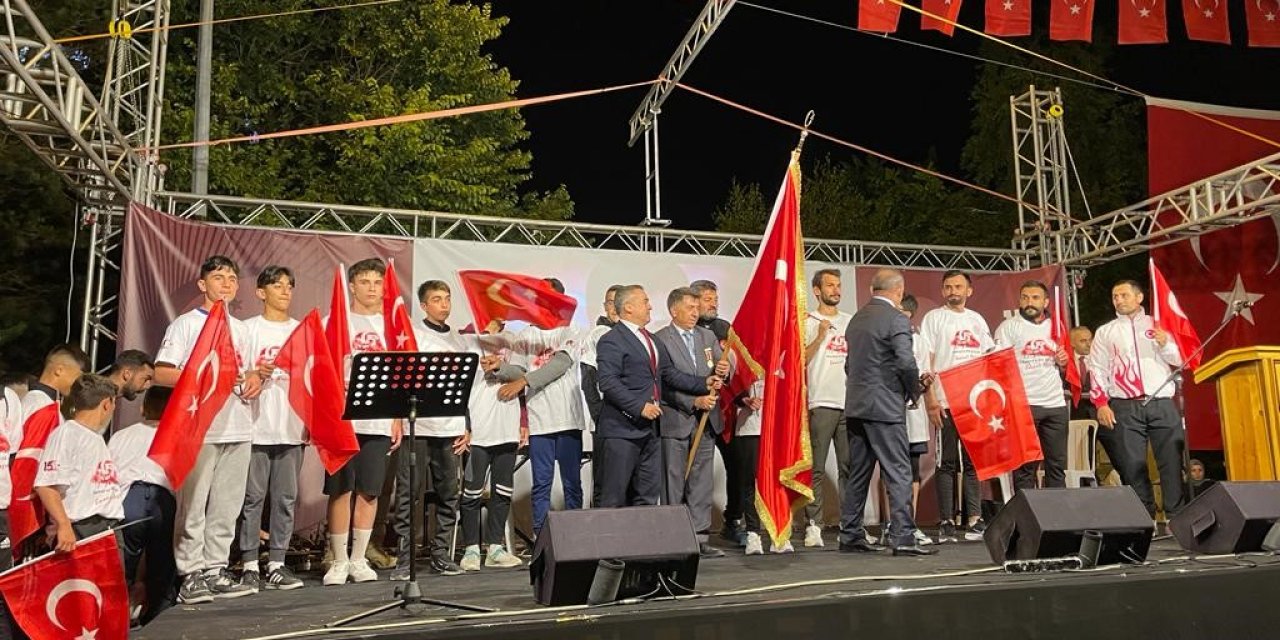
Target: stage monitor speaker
point(656, 545)
point(1051, 523)
point(1229, 517)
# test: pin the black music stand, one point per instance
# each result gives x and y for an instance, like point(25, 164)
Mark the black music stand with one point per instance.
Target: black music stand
point(401, 384)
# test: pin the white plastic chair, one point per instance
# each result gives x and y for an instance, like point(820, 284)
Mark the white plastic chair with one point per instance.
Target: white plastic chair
point(1082, 441)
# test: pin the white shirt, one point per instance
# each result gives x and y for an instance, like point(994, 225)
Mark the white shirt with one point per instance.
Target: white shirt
point(430, 340)
point(34, 401)
point(366, 335)
point(749, 421)
point(129, 447)
point(78, 464)
point(11, 418)
point(1037, 355)
point(274, 420)
point(918, 418)
point(493, 421)
point(826, 369)
point(557, 406)
point(645, 338)
point(955, 337)
point(234, 423)
point(587, 356)
point(1126, 361)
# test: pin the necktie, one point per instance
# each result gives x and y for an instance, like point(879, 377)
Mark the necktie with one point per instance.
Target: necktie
point(653, 361)
point(688, 344)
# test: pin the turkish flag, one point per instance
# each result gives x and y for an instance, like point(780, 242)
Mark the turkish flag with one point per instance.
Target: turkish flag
point(203, 388)
point(337, 331)
point(1143, 22)
point(494, 295)
point(1071, 20)
point(949, 9)
point(1169, 316)
point(1009, 17)
point(395, 317)
point(1263, 18)
point(1061, 336)
point(316, 393)
point(768, 335)
point(25, 514)
point(1212, 272)
point(880, 16)
point(989, 405)
point(80, 594)
point(1206, 20)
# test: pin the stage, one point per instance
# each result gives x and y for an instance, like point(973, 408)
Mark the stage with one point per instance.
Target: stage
point(813, 593)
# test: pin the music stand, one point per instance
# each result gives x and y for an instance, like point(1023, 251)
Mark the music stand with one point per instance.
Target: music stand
point(401, 384)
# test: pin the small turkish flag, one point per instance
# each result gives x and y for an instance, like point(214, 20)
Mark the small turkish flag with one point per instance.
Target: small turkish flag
point(1263, 18)
point(1168, 314)
point(989, 405)
point(1071, 20)
point(494, 295)
point(316, 394)
point(1062, 337)
point(1143, 22)
point(25, 514)
point(1206, 20)
point(79, 595)
point(949, 9)
point(395, 317)
point(1009, 17)
point(337, 331)
point(880, 16)
point(202, 390)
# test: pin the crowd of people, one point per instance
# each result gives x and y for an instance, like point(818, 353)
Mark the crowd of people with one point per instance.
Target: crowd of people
point(643, 395)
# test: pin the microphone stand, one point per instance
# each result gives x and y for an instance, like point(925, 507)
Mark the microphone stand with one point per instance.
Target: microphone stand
point(1175, 378)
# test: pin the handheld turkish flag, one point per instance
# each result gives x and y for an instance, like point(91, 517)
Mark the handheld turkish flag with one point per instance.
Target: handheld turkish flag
point(25, 514)
point(80, 594)
point(337, 332)
point(768, 337)
point(494, 295)
point(395, 317)
point(316, 393)
point(1008, 17)
point(1206, 20)
point(1071, 20)
point(989, 405)
point(1143, 22)
point(880, 16)
point(1062, 337)
point(1168, 315)
point(949, 9)
point(1263, 18)
point(202, 390)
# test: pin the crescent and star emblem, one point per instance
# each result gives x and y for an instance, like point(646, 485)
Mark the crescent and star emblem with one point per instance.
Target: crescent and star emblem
point(995, 422)
point(306, 374)
point(209, 385)
point(65, 588)
point(495, 292)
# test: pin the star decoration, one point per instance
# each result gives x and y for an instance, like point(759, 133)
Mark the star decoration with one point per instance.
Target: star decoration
point(401, 340)
point(1238, 294)
point(1144, 12)
point(195, 405)
point(529, 294)
point(1075, 9)
point(87, 634)
point(1208, 13)
point(996, 423)
point(1271, 17)
point(1008, 6)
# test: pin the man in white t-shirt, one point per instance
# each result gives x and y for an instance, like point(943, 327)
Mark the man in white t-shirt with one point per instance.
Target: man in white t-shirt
point(275, 458)
point(210, 498)
point(591, 390)
point(363, 475)
point(956, 334)
point(77, 482)
point(825, 353)
point(1040, 360)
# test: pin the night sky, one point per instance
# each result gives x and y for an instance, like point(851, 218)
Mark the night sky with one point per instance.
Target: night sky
point(899, 99)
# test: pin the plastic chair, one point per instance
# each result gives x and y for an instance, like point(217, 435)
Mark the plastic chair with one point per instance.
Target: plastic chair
point(1082, 441)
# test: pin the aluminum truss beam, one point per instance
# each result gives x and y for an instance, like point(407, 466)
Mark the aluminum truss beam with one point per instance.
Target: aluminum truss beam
point(134, 91)
point(1040, 169)
point(429, 224)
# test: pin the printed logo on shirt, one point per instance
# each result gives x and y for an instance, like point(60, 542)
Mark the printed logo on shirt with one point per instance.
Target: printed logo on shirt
point(543, 358)
point(1125, 374)
point(367, 341)
point(1039, 347)
point(51, 465)
point(268, 355)
point(965, 338)
point(838, 345)
point(1150, 334)
point(105, 473)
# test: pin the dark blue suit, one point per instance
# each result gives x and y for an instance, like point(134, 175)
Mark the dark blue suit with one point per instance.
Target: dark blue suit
point(627, 382)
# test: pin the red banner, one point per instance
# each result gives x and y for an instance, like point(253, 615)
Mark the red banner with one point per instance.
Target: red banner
point(494, 295)
point(80, 594)
point(1009, 17)
point(1071, 20)
point(1143, 22)
point(880, 16)
point(1206, 20)
point(1168, 314)
point(989, 405)
point(337, 332)
point(26, 515)
point(316, 392)
point(1263, 18)
point(949, 9)
point(398, 327)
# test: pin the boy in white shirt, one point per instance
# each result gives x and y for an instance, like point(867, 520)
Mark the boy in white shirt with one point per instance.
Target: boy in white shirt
point(275, 459)
point(210, 498)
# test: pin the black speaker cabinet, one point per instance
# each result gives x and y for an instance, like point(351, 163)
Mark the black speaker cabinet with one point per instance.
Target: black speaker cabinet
point(657, 545)
point(1049, 523)
point(1230, 517)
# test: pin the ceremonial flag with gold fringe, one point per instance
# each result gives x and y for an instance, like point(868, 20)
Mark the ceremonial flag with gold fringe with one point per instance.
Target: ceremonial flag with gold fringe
point(768, 337)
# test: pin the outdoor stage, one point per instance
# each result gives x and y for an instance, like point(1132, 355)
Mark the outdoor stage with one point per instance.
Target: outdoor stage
point(868, 596)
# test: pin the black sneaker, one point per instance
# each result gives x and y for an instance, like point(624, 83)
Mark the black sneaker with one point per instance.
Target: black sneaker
point(947, 532)
point(974, 534)
point(194, 589)
point(252, 580)
point(281, 578)
point(444, 566)
point(224, 586)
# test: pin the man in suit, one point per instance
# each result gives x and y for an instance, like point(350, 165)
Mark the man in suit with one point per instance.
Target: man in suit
point(696, 351)
point(632, 370)
point(882, 381)
point(1108, 437)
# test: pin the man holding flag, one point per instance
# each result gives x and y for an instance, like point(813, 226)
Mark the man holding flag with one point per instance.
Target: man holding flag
point(1129, 362)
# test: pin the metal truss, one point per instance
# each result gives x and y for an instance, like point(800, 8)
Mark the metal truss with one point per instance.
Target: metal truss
point(1040, 169)
point(134, 90)
point(1230, 198)
point(446, 226)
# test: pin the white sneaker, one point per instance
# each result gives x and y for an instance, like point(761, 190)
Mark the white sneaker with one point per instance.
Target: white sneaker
point(498, 558)
point(784, 548)
point(813, 535)
point(922, 537)
point(337, 574)
point(362, 572)
point(471, 558)
point(754, 547)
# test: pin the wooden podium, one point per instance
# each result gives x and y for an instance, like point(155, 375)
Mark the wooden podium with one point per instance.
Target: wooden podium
point(1248, 383)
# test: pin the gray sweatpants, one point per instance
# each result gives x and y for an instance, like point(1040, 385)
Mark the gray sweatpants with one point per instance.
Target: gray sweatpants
point(826, 427)
point(273, 471)
point(208, 504)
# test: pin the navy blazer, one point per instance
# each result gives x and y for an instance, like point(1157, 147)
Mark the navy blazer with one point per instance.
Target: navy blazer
point(882, 372)
point(626, 382)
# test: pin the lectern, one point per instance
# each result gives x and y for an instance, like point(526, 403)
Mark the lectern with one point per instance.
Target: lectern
point(1248, 384)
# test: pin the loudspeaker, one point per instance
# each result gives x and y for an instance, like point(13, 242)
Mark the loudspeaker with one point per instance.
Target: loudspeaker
point(657, 547)
point(1051, 523)
point(1230, 517)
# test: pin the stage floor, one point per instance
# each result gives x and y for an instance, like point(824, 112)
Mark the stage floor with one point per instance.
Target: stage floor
point(844, 593)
